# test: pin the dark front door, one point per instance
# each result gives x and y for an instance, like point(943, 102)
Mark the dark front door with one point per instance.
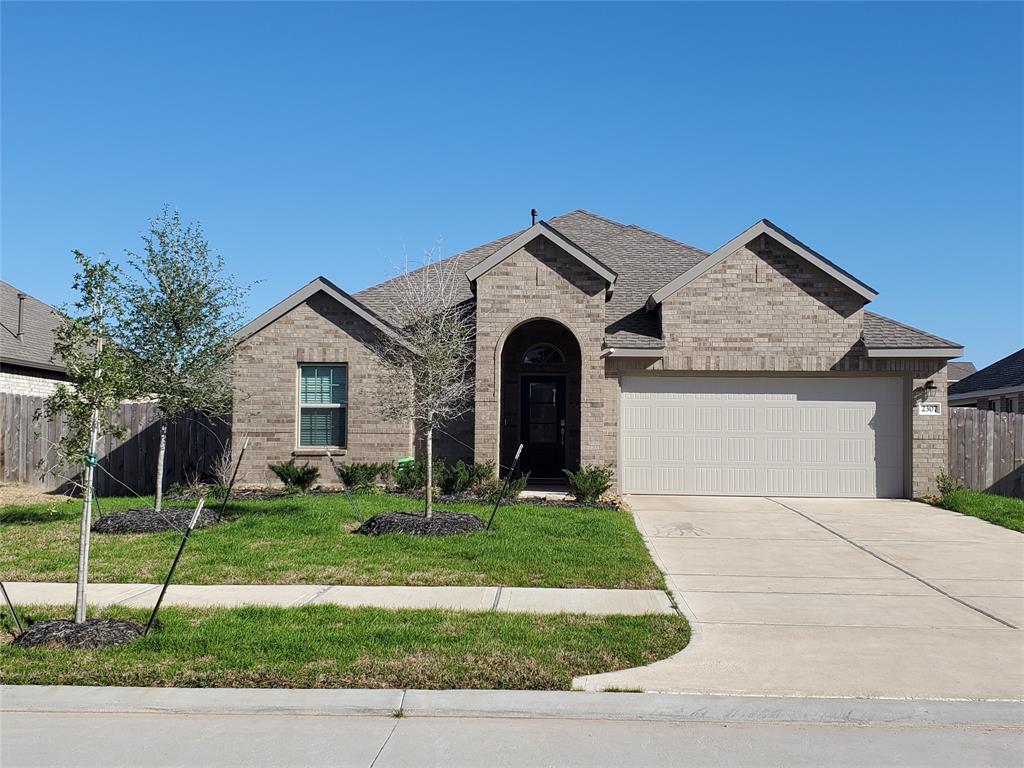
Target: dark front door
point(542, 426)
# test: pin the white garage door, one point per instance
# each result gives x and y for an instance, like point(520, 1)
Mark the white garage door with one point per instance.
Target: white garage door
point(840, 436)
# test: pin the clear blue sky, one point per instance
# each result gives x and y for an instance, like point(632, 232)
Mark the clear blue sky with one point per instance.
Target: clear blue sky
point(322, 138)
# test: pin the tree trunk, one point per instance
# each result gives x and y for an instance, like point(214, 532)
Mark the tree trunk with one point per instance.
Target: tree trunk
point(429, 497)
point(86, 530)
point(160, 466)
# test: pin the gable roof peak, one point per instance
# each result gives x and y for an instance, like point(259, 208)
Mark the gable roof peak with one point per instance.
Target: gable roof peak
point(317, 285)
point(550, 232)
point(763, 227)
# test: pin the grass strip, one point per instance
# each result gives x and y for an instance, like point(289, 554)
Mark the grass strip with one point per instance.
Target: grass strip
point(333, 647)
point(309, 540)
point(999, 510)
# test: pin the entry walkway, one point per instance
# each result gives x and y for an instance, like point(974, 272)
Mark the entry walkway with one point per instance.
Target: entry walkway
point(505, 599)
point(835, 597)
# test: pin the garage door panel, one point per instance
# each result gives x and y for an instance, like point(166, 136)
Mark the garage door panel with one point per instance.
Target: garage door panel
point(837, 436)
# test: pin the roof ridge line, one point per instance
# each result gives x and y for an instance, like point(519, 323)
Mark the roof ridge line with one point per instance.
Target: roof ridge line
point(595, 216)
point(668, 239)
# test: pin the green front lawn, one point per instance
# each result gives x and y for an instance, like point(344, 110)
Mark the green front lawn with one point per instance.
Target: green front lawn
point(308, 540)
point(334, 647)
point(1001, 510)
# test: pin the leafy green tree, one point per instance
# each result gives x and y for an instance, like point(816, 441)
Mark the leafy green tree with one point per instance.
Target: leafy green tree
point(178, 319)
point(100, 378)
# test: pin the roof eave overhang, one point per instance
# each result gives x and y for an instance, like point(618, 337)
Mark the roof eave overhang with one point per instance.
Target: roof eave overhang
point(613, 351)
point(974, 394)
point(946, 352)
point(50, 367)
point(543, 229)
point(304, 294)
point(763, 227)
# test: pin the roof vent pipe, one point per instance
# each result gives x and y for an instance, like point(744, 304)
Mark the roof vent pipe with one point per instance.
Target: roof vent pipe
point(533, 216)
point(21, 304)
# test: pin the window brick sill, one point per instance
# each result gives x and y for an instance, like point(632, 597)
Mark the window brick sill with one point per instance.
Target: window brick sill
point(316, 452)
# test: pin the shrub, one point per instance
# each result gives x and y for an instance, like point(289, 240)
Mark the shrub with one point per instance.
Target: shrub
point(296, 479)
point(456, 478)
point(947, 484)
point(590, 483)
point(493, 491)
point(217, 492)
point(413, 476)
point(481, 477)
point(467, 478)
point(190, 490)
point(359, 476)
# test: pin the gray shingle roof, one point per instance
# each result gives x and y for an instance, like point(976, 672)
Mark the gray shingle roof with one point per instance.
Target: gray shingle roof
point(39, 321)
point(957, 371)
point(1002, 374)
point(376, 297)
point(645, 262)
point(885, 333)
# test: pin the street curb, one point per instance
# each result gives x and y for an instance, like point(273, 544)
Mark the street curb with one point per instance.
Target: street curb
point(571, 705)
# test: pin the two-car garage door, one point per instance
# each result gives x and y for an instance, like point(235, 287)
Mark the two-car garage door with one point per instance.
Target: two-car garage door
point(762, 436)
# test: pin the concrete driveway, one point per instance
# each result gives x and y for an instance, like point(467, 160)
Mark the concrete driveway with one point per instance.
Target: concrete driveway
point(835, 597)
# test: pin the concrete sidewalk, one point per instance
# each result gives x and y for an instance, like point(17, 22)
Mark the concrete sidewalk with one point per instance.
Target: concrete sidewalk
point(559, 705)
point(82, 726)
point(597, 602)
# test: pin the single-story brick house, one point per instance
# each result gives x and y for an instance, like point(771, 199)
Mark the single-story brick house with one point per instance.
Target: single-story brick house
point(755, 369)
point(997, 387)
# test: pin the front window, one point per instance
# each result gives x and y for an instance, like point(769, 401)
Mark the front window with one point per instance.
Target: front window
point(539, 354)
point(323, 406)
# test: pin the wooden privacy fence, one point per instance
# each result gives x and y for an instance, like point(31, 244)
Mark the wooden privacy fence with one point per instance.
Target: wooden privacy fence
point(194, 444)
point(986, 450)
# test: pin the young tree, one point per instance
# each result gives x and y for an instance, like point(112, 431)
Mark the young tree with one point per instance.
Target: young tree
point(429, 369)
point(180, 313)
point(100, 379)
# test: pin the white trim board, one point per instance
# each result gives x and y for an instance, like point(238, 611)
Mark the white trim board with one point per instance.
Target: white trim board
point(763, 227)
point(614, 351)
point(947, 352)
point(543, 229)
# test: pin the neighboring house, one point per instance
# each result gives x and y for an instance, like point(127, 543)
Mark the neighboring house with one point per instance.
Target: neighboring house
point(751, 370)
point(26, 344)
point(957, 371)
point(999, 387)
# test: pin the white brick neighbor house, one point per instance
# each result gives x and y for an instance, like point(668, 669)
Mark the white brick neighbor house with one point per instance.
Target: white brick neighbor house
point(27, 326)
point(752, 370)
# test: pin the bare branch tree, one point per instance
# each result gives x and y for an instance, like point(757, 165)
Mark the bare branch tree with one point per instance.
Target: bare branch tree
point(428, 376)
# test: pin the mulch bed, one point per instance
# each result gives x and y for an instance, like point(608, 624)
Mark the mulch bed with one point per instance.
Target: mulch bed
point(148, 521)
point(94, 633)
point(440, 524)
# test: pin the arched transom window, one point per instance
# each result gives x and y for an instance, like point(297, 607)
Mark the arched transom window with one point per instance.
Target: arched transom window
point(539, 354)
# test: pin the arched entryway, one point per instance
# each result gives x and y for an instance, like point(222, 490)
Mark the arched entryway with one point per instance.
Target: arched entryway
point(540, 399)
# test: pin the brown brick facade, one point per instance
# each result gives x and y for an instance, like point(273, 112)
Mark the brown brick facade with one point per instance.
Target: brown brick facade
point(763, 310)
point(539, 281)
point(266, 390)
